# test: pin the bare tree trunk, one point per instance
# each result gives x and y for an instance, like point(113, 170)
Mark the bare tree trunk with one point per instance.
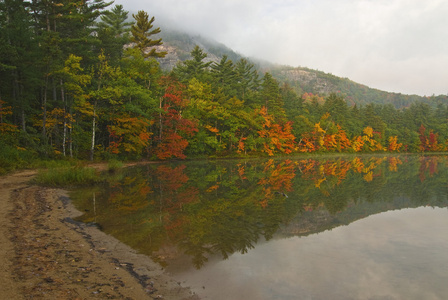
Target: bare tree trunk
point(70, 138)
point(70, 143)
point(92, 147)
point(160, 119)
point(64, 135)
point(44, 110)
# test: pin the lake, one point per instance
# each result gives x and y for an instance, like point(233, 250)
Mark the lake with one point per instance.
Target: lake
point(329, 227)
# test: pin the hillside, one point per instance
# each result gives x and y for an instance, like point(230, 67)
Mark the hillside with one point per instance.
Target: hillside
point(311, 81)
point(179, 45)
point(304, 80)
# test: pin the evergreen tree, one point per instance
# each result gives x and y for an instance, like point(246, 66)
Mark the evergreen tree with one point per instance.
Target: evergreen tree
point(115, 21)
point(271, 97)
point(18, 54)
point(224, 76)
point(336, 106)
point(113, 32)
point(293, 105)
point(141, 33)
point(195, 67)
point(62, 28)
point(247, 78)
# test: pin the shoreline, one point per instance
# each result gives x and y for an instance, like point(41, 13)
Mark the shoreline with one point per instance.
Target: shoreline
point(45, 254)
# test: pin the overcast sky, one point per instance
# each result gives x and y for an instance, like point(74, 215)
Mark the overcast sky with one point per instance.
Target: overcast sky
point(393, 45)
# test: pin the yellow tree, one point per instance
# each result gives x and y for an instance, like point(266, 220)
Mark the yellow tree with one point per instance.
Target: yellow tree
point(393, 144)
point(369, 140)
point(129, 134)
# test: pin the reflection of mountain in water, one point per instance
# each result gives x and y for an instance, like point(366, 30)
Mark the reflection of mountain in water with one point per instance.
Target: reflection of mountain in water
point(319, 220)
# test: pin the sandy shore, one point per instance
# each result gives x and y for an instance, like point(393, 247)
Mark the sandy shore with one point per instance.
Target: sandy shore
point(45, 255)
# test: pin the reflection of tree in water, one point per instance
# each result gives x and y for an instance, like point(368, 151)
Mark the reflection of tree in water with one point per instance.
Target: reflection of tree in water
point(220, 208)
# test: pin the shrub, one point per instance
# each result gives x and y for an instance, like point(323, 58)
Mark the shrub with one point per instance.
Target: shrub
point(12, 158)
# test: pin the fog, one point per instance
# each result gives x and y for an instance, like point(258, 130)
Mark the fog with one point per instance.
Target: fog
point(393, 45)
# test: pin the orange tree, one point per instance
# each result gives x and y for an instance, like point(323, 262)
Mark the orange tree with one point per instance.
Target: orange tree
point(173, 127)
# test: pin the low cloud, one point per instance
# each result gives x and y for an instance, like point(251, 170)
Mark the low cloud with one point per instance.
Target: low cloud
point(393, 45)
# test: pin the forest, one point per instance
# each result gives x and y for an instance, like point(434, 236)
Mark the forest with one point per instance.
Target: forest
point(79, 80)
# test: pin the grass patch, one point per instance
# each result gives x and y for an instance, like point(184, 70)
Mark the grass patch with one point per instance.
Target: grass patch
point(114, 165)
point(67, 176)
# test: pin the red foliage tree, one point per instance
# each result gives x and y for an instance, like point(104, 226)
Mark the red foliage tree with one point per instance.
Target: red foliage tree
point(173, 128)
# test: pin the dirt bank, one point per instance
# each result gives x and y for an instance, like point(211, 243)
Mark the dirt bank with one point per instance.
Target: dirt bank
point(45, 255)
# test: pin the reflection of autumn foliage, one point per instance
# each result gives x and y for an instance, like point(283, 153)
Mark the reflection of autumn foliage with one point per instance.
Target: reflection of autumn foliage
point(329, 177)
point(368, 177)
point(306, 166)
point(428, 165)
point(172, 186)
point(277, 178)
point(335, 171)
point(338, 169)
point(130, 194)
point(372, 164)
point(357, 165)
point(241, 171)
point(393, 163)
point(229, 205)
point(172, 178)
point(174, 195)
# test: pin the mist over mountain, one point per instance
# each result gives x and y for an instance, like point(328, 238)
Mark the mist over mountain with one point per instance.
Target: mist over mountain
point(179, 44)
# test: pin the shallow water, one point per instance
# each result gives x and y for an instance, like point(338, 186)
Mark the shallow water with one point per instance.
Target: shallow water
point(369, 227)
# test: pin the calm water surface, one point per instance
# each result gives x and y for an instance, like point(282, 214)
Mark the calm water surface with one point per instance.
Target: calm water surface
point(370, 227)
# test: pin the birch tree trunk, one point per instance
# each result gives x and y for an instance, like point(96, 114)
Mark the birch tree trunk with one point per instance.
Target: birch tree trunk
point(92, 147)
point(64, 134)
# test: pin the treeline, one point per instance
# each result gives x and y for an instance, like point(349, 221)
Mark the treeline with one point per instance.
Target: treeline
point(81, 81)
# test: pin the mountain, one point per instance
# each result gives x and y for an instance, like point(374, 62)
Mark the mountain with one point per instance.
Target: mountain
point(179, 44)
point(306, 80)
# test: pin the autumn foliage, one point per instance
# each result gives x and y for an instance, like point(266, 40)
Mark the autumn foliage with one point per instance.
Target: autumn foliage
point(277, 138)
point(129, 134)
point(88, 92)
point(173, 127)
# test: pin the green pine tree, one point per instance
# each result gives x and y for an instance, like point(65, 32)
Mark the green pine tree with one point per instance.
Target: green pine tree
point(141, 31)
point(113, 32)
point(195, 67)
